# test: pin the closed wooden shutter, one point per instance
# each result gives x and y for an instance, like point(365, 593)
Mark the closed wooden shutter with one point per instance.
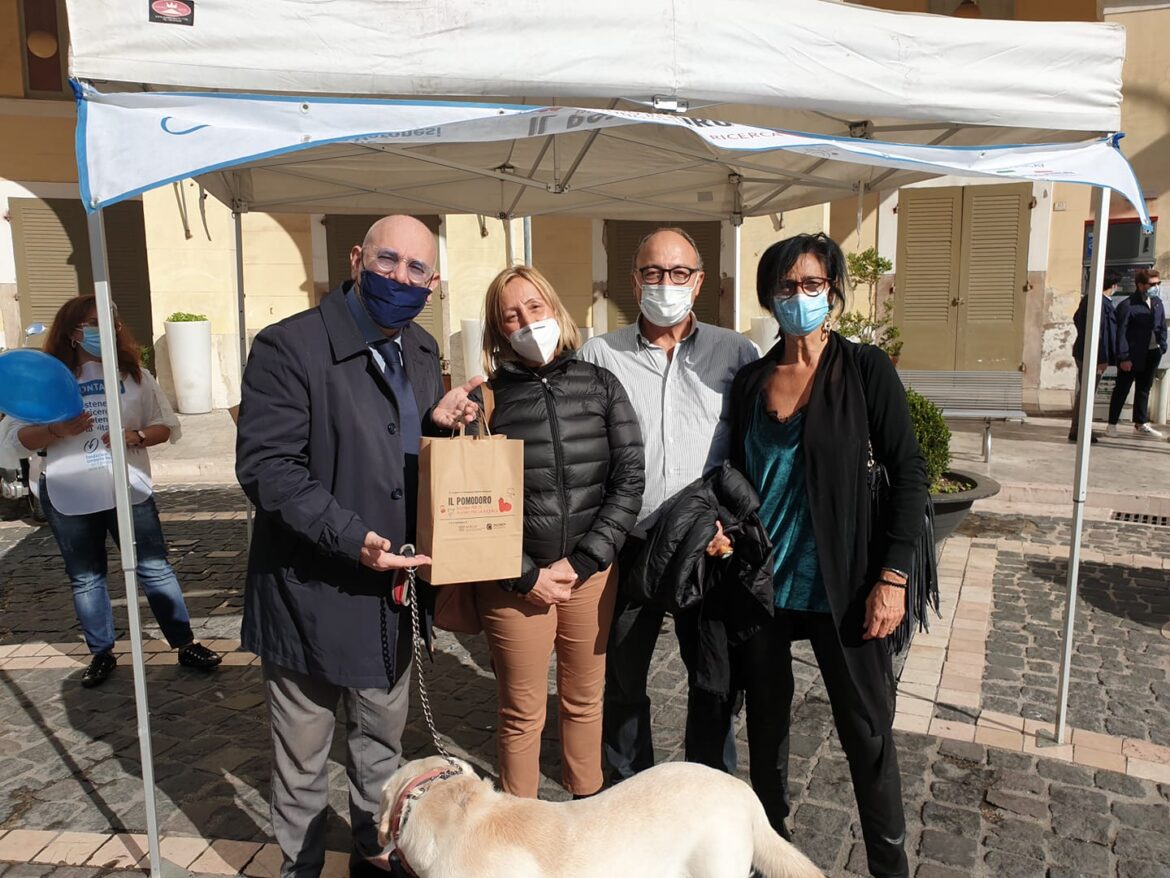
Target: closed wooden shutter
point(53, 264)
point(621, 240)
point(929, 232)
point(129, 272)
point(343, 231)
point(993, 271)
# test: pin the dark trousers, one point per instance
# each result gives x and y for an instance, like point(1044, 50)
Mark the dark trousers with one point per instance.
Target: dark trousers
point(1080, 399)
point(766, 669)
point(627, 741)
point(1141, 380)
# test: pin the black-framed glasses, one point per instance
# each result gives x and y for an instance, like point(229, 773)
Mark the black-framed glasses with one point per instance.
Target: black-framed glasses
point(810, 286)
point(654, 274)
point(386, 262)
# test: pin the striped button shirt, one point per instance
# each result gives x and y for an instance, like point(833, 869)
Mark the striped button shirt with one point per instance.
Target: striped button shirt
point(681, 402)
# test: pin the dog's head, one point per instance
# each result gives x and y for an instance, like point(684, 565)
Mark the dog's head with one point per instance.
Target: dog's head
point(401, 780)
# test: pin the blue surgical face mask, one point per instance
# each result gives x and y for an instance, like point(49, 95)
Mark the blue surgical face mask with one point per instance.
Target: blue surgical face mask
point(91, 341)
point(801, 314)
point(389, 303)
point(1154, 290)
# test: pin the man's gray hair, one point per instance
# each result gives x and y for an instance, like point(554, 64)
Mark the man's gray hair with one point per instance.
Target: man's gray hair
point(682, 233)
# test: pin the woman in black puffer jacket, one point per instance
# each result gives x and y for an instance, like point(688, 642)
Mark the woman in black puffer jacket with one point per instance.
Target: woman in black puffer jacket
point(584, 473)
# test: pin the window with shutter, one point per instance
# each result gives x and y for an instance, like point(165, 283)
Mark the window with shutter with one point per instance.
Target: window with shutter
point(962, 266)
point(51, 243)
point(621, 240)
point(993, 271)
point(343, 230)
point(929, 229)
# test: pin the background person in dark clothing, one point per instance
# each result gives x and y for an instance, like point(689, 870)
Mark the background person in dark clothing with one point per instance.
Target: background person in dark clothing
point(1106, 344)
point(1141, 342)
point(584, 472)
point(804, 417)
point(334, 402)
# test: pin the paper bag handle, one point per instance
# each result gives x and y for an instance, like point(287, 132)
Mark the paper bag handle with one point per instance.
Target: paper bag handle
point(481, 419)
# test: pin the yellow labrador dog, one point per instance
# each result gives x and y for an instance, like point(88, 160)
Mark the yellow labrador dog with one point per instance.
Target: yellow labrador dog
point(676, 820)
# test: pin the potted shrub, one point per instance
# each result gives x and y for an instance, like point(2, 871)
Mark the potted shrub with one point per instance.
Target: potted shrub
point(881, 332)
point(952, 491)
point(876, 325)
point(189, 350)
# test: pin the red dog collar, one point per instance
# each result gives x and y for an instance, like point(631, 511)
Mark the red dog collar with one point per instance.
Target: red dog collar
point(410, 793)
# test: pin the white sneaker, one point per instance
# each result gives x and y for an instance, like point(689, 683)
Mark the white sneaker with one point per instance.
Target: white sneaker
point(1112, 430)
point(1147, 430)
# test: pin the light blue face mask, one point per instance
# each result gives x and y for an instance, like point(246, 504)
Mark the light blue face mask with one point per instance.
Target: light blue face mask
point(1155, 291)
point(800, 314)
point(91, 341)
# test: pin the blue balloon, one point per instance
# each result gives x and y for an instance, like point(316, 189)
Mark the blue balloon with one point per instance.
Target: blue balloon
point(37, 388)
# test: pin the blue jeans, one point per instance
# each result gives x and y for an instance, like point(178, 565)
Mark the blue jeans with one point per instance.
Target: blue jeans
point(82, 540)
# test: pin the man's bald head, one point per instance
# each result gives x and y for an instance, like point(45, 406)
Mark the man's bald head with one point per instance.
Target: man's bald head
point(405, 235)
point(667, 242)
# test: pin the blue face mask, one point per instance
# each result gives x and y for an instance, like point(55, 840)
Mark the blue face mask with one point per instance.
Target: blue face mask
point(389, 303)
point(91, 341)
point(1154, 291)
point(800, 314)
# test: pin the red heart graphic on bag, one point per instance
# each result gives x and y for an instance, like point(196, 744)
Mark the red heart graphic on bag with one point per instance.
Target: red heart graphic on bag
point(505, 506)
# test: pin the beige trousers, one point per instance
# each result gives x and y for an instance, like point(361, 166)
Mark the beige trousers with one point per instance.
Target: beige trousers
point(522, 637)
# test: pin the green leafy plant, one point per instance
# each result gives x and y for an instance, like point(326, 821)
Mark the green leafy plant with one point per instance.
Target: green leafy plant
point(868, 267)
point(186, 317)
point(881, 332)
point(146, 357)
point(934, 440)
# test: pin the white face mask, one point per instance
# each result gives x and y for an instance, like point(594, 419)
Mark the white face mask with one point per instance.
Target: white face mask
point(536, 342)
point(666, 304)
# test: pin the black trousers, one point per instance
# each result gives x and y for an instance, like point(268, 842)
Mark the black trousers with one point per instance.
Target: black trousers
point(1141, 380)
point(766, 672)
point(1079, 399)
point(627, 741)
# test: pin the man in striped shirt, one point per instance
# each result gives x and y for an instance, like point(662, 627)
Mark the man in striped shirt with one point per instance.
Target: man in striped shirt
point(677, 373)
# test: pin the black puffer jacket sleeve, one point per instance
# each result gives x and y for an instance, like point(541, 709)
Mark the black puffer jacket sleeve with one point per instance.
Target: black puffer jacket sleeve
point(624, 486)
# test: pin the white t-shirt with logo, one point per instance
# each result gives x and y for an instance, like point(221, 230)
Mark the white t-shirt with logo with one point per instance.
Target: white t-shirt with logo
point(79, 470)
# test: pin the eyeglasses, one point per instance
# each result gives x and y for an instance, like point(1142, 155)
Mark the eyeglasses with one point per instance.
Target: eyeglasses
point(386, 262)
point(810, 286)
point(678, 274)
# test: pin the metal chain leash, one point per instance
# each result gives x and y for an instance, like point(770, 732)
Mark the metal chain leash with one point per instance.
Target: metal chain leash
point(410, 598)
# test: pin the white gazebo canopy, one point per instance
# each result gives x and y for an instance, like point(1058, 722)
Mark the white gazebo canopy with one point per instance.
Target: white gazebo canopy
point(655, 109)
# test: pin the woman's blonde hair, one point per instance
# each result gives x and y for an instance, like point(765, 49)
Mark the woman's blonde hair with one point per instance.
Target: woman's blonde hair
point(496, 347)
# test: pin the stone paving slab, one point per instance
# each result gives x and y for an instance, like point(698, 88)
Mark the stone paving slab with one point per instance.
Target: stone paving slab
point(987, 805)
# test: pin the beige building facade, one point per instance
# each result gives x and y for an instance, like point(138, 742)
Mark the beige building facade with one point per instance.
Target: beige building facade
point(986, 276)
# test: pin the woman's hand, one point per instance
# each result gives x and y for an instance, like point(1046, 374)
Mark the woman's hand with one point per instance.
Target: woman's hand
point(720, 545)
point(884, 608)
point(563, 566)
point(1125, 365)
point(129, 437)
point(64, 429)
point(552, 587)
point(457, 407)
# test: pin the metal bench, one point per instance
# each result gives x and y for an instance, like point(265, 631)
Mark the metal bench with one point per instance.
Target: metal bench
point(974, 396)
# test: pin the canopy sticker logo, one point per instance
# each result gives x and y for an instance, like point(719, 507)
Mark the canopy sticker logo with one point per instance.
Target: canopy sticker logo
point(172, 11)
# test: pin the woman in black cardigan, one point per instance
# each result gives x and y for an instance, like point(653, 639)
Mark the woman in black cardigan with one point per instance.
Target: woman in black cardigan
point(804, 418)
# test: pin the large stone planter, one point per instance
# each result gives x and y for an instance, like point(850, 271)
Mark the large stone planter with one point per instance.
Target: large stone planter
point(951, 509)
point(189, 349)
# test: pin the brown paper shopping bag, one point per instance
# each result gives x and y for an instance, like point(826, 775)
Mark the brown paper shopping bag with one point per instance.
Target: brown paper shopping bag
point(471, 507)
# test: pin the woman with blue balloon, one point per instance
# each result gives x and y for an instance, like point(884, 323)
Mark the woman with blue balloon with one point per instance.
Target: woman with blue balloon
point(56, 402)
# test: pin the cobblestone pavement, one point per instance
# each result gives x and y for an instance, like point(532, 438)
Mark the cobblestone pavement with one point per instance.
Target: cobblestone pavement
point(69, 757)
